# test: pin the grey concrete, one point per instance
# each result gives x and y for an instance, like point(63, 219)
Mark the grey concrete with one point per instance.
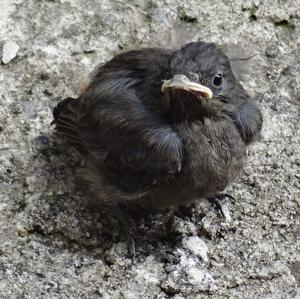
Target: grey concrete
point(53, 244)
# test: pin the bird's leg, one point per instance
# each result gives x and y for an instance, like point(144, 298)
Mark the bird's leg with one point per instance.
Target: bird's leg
point(217, 201)
point(129, 227)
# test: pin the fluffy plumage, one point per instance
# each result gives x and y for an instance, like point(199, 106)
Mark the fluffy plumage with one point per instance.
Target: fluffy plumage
point(161, 147)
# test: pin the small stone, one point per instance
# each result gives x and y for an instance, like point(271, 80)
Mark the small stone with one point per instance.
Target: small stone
point(42, 140)
point(182, 227)
point(22, 231)
point(114, 255)
point(200, 279)
point(271, 51)
point(109, 257)
point(77, 264)
point(9, 52)
point(170, 287)
point(196, 246)
point(196, 276)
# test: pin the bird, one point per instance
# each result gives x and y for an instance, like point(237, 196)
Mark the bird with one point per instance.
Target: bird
point(161, 127)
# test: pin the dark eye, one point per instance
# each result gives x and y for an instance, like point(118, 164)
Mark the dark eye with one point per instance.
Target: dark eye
point(218, 79)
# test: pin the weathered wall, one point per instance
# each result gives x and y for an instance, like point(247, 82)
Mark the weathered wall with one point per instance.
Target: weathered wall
point(53, 245)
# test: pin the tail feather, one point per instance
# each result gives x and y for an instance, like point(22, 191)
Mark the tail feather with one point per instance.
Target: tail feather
point(59, 108)
point(65, 120)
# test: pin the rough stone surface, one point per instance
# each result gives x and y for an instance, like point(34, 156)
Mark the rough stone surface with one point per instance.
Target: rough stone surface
point(54, 244)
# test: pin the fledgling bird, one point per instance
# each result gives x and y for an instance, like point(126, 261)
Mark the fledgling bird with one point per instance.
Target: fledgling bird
point(161, 127)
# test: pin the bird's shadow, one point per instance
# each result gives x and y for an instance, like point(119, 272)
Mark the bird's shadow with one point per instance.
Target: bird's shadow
point(71, 218)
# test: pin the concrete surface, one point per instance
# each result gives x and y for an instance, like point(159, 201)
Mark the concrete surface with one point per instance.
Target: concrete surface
point(54, 244)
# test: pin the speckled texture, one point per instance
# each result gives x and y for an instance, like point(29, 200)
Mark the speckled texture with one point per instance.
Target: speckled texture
point(54, 244)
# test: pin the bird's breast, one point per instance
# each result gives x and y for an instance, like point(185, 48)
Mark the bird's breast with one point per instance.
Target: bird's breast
point(213, 155)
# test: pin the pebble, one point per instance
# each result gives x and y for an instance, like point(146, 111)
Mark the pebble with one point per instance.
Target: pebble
point(42, 140)
point(9, 52)
point(22, 231)
point(197, 246)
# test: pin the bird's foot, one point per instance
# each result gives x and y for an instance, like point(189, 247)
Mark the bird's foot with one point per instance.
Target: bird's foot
point(220, 206)
point(129, 227)
point(131, 248)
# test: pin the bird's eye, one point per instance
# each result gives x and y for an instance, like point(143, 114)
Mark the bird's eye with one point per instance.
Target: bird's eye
point(218, 79)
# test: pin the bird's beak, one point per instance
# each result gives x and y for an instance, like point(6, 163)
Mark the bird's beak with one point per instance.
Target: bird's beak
point(184, 83)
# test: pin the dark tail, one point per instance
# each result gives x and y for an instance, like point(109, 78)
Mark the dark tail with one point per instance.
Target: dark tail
point(65, 121)
point(59, 108)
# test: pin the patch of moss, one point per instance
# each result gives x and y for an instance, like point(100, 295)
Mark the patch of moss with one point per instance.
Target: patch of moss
point(288, 24)
point(16, 110)
point(188, 19)
point(44, 76)
point(184, 17)
point(252, 12)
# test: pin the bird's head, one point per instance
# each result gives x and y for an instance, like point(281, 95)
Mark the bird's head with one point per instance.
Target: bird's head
point(200, 83)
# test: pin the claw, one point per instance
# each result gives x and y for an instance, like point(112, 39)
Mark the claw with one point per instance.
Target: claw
point(220, 206)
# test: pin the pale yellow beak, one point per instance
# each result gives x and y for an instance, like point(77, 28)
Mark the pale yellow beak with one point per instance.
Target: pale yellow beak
point(184, 83)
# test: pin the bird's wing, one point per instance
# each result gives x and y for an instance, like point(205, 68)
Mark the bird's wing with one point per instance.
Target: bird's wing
point(127, 143)
point(133, 147)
